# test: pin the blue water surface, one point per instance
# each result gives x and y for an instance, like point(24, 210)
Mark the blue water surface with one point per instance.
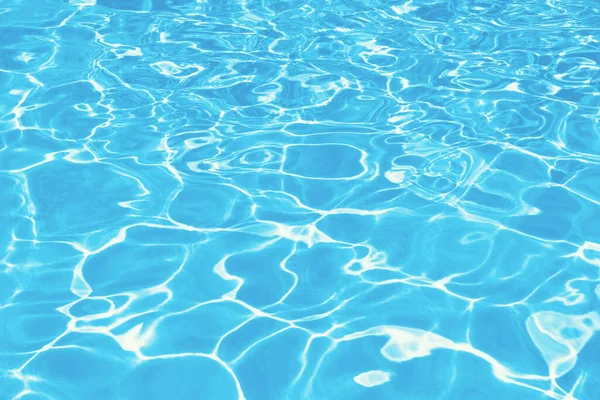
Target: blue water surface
point(300, 199)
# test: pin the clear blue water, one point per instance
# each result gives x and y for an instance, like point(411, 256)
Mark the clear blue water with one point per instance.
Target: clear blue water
point(300, 199)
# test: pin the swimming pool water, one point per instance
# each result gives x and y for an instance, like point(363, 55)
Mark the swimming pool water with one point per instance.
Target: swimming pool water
point(299, 199)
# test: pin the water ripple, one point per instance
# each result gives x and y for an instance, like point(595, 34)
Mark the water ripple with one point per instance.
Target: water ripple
point(307, 199)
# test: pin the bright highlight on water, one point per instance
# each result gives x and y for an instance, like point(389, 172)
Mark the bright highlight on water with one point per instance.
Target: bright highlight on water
point(299, 199)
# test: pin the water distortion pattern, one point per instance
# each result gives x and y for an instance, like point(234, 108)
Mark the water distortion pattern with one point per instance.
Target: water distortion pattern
point(299, 199)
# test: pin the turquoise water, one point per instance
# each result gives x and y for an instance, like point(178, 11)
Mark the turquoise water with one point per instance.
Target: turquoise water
point(326, 199)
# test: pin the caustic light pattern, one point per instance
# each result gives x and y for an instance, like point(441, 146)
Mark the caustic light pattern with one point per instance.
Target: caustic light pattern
point(299, 199)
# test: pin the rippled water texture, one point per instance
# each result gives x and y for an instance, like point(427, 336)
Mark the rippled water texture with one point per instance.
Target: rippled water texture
point(300, 199)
